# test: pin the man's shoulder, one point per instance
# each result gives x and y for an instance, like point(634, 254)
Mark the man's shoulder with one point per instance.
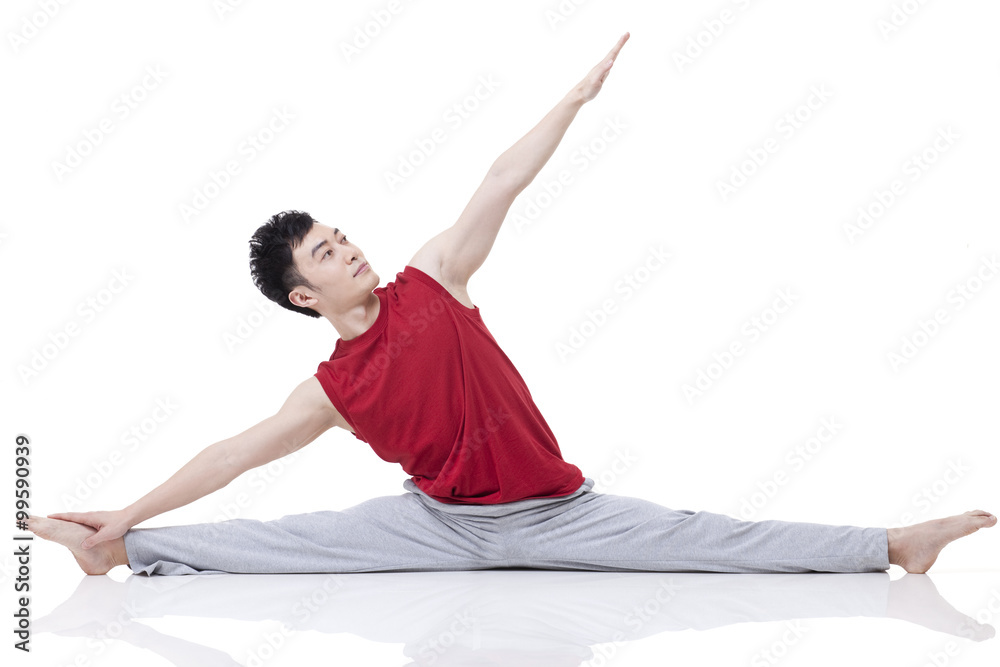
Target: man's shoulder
point(429, 269)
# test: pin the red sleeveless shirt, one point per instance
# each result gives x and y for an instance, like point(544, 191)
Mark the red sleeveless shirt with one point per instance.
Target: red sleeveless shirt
point(428, 387)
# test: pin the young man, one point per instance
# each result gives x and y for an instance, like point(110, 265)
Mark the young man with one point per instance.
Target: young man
point(417, 375)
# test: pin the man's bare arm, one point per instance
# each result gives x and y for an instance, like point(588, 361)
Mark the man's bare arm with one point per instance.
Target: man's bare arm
point(455, 254)
point(304, 416)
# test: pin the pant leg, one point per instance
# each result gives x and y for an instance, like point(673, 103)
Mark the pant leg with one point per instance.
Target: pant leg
point(388, 533)
point(598, 531)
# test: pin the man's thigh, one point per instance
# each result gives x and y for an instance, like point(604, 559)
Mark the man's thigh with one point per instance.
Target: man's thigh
point(407, 534)
point(596, 531)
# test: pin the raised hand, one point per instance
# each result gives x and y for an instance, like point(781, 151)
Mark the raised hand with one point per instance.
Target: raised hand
point(591, 84)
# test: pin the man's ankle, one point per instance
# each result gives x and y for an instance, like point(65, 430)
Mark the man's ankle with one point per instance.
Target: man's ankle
point(892, 542)
point(119, 555)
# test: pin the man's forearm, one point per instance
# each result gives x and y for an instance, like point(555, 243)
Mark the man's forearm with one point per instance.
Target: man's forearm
point(521, 162)
point(209, 471)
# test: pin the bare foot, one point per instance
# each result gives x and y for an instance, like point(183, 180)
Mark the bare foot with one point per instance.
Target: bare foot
point(96, 560)
point(916, 547)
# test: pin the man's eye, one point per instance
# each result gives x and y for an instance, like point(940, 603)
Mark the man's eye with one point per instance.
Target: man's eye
point(343, 240)
point(327, 253)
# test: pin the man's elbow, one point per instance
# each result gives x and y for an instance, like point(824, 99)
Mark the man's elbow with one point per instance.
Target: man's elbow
point(508, 180)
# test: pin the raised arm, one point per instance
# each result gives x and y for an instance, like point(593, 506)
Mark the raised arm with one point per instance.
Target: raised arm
point(304, 416)
point(455, 254)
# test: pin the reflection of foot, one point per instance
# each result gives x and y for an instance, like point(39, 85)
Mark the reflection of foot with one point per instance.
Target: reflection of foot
point(914, 598)
point(97, 603)
point(96, 560)
point(915, 548)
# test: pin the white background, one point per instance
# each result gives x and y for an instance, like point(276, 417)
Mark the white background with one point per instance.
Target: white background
point(167, 336)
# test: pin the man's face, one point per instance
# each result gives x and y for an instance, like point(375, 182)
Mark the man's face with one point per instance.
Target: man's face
point(331, 263)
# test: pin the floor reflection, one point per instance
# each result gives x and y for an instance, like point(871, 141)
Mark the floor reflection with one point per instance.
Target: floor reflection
point(502, 616)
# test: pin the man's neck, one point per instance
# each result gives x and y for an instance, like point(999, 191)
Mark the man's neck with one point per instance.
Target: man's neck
point(357, 320)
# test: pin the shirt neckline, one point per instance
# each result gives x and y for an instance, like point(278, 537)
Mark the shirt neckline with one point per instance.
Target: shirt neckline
point(343, 346)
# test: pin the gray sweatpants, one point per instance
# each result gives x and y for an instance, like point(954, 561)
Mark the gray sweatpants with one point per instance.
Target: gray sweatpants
point(585, 530)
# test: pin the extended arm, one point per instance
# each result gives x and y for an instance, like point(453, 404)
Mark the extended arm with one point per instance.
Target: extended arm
point(304, 416)
point(456, 253)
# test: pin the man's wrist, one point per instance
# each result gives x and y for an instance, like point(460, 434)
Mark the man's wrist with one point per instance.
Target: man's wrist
point(132, 515)
point(575, 97)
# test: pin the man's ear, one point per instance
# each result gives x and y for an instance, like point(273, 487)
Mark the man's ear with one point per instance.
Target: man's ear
point(301, 298)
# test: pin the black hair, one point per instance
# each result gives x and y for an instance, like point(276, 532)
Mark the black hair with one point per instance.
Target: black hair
point(271, 263)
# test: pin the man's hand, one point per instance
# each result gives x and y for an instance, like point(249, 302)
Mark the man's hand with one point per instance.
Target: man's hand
point(109, 524)
point(591, 84)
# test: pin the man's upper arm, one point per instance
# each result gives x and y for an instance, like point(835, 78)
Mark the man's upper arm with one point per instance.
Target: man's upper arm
point(305, 415)
point(455, 254)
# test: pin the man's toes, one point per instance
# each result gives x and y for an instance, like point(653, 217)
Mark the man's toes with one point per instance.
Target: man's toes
point(36, 526)
point(981, 518)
